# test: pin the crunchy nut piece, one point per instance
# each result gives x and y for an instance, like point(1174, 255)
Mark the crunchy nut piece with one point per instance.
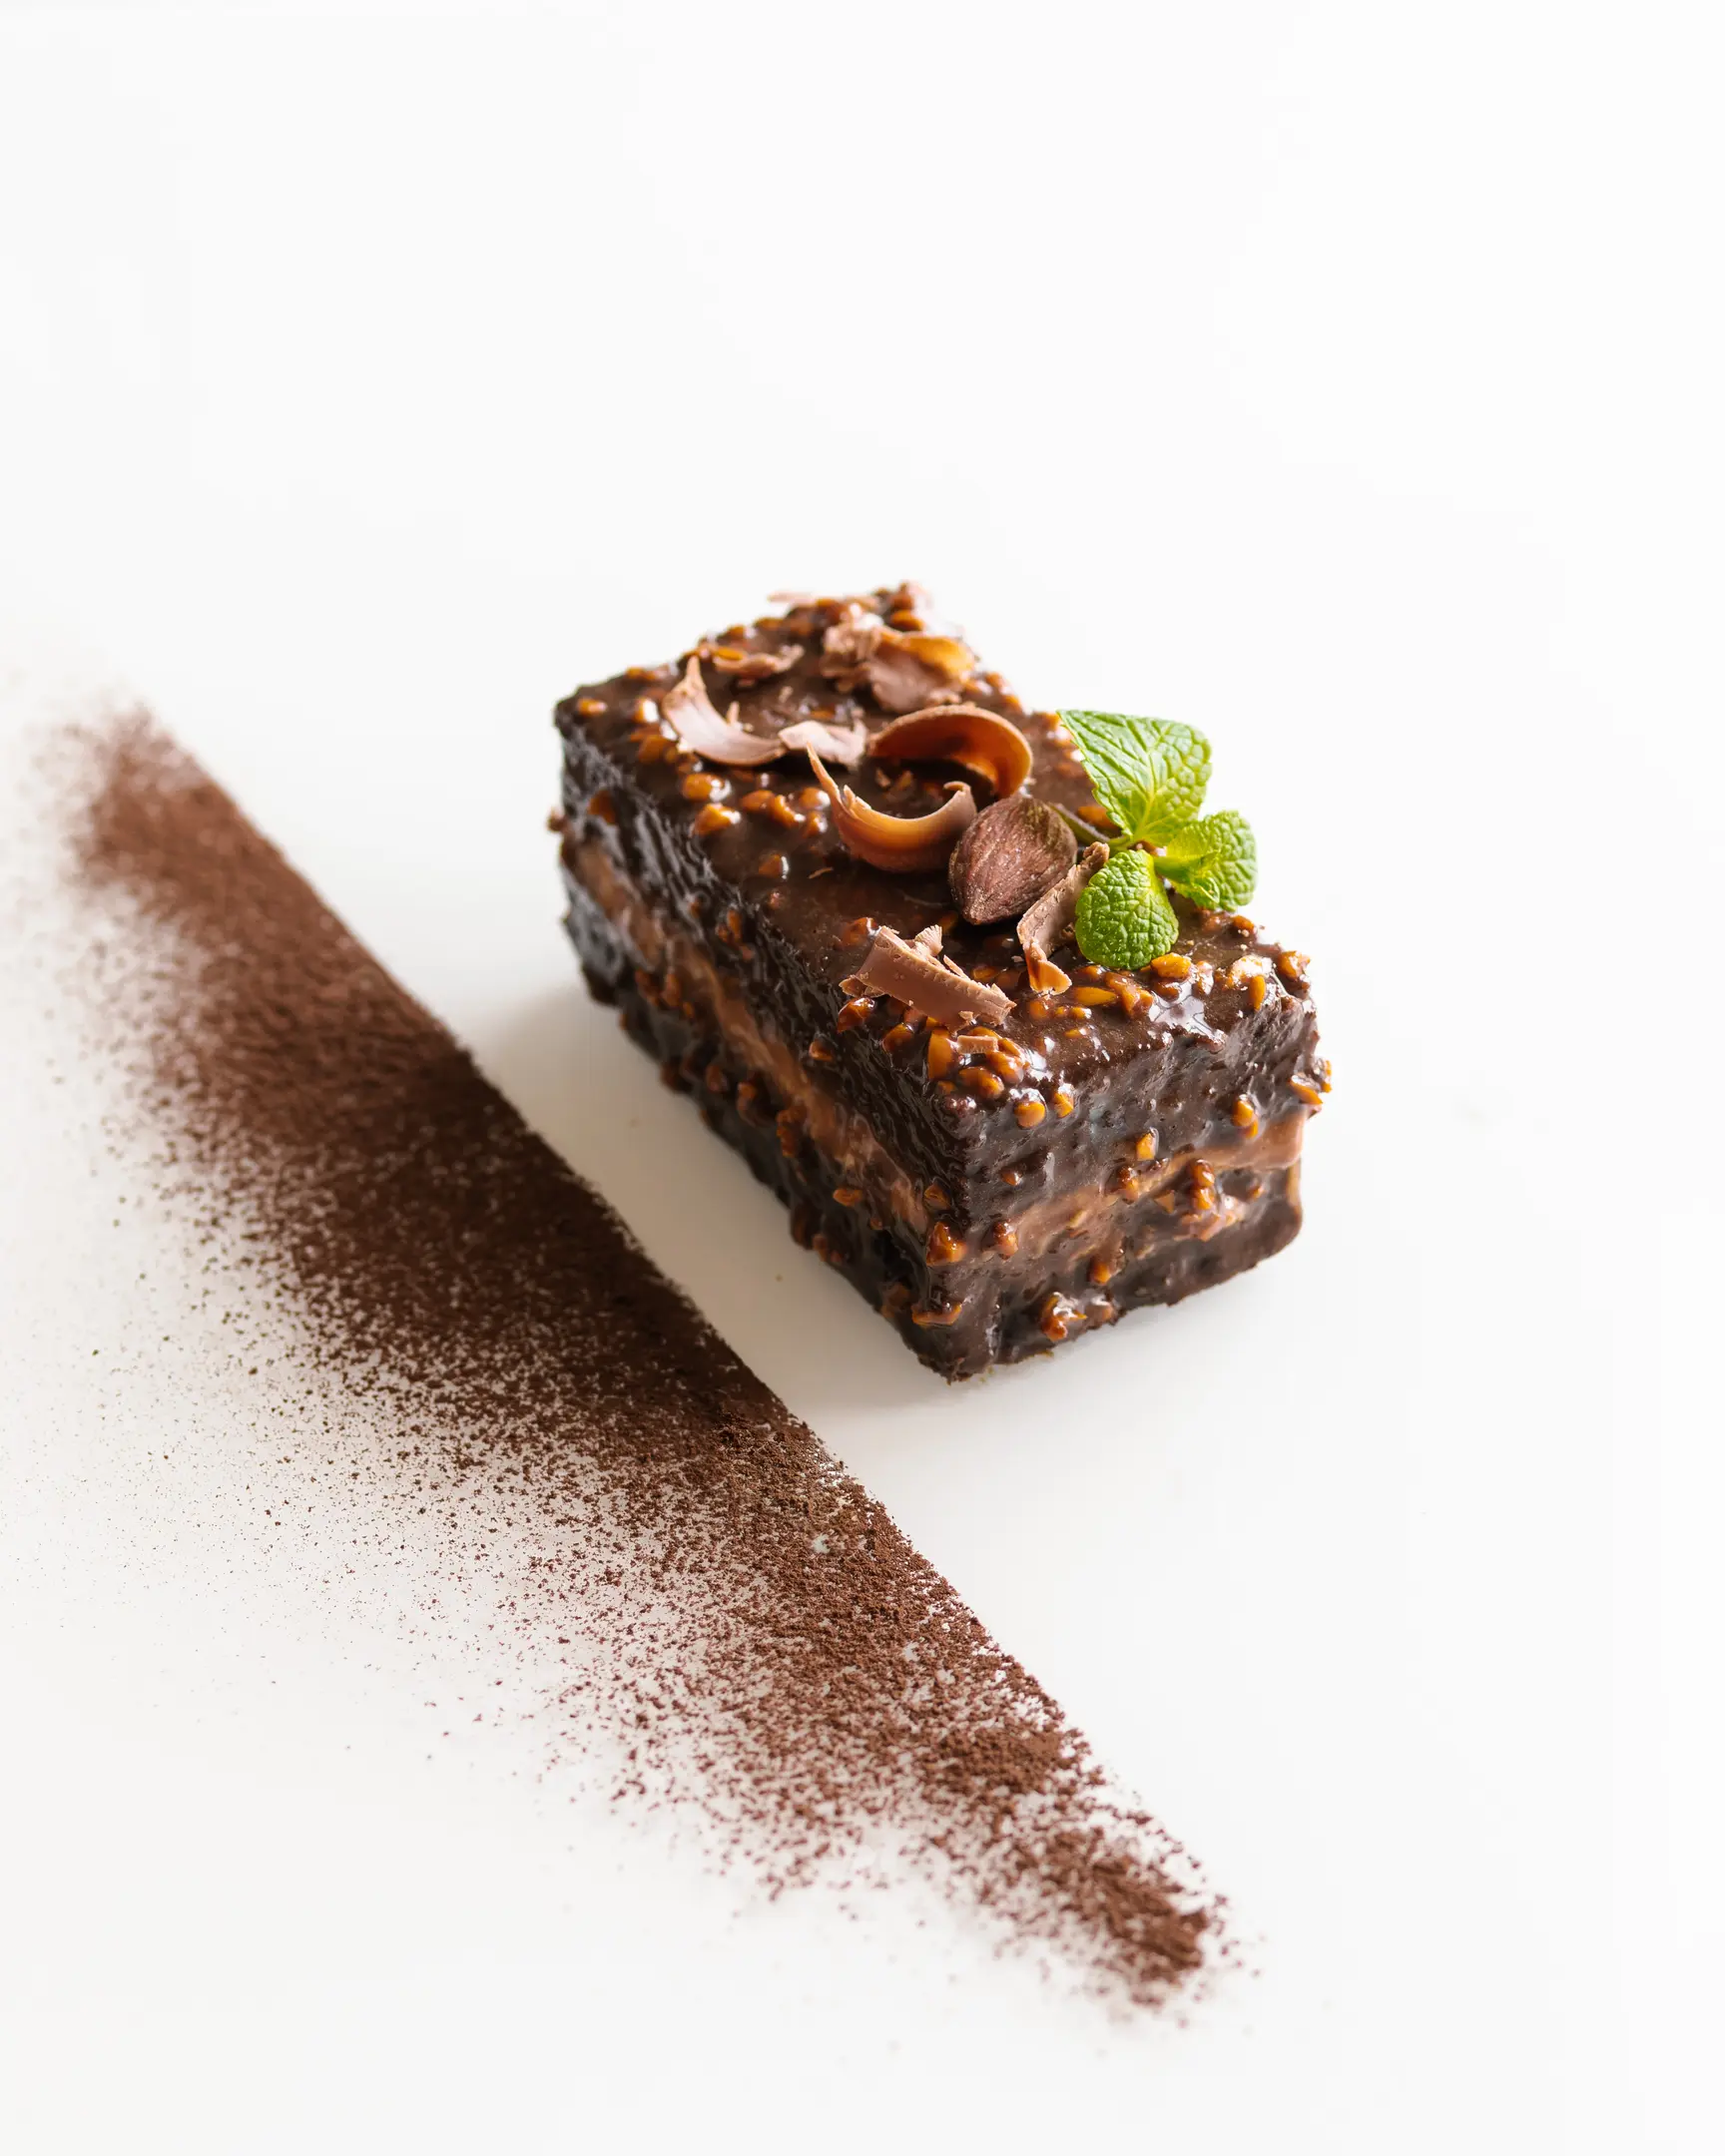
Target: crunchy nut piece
point(751, 664)
point(602, 805)
point(1095, 998)
point(1029, 1112)
point(1308, 1093)
point(1096, 816)
point(1044, 976)
point(1171, 966)
point(984, 1083)
point(1101, 1271)
point(846, 1195)
point(943, 1246)
point(964, 733)
point(861, 930)
point(703, 785)
point(821, 1050)
point(942, 1052)
point(855, 1013)
point(1064, 1100)
point(590, 707)
point(712, 818)
point(926, 1315)
point(1245, 1115)
point(1005, 1237)
point(1058, 1314)
point(774, 866)
point(1292, 964)
point(1132, 996)
point(1144, 1148)
point(896, 1036)
point(651, 749)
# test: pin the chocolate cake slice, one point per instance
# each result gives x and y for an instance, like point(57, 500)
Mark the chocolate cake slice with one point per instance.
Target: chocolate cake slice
point(770, 851)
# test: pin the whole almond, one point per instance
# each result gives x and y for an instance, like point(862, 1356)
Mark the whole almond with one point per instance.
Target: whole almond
point(1009, 857)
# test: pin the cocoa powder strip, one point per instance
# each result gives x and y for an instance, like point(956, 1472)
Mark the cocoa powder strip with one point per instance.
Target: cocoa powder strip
point(822, 1678)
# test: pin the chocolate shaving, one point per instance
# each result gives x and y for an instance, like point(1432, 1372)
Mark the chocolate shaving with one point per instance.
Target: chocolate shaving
point(944, 992)
point(819, 737)
point(981, 740)
point(904, 671)
point(905, 846)
point(1045, 926)
point(907, 672)
point(1008, 858)
point(689, 712)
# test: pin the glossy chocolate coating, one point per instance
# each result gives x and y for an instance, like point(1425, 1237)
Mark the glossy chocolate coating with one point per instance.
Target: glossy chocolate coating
point(1126, 1141)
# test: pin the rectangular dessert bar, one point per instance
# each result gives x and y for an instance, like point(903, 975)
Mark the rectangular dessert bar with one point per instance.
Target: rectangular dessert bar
point(994, 1176)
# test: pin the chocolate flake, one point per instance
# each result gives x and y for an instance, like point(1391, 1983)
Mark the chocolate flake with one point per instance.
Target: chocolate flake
point(964, 733)
point(905, 669)
point(1049, 923)
point(689, 712)
point(933, 985)
point(906, 845)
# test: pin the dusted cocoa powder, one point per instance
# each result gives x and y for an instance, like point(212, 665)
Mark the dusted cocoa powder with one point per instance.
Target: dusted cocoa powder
point(741, 1625)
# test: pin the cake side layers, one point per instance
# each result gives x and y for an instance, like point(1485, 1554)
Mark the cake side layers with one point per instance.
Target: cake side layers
point(960, 1303)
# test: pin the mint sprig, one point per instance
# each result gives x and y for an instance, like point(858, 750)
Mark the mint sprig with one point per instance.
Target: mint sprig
point(1149, 777)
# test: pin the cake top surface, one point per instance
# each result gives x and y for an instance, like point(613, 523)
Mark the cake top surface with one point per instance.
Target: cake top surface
point(835, 673)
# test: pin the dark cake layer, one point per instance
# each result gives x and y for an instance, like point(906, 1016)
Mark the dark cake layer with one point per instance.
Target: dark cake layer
point(994, 1189)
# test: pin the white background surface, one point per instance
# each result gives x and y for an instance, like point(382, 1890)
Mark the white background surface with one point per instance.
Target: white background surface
point(1342, 379)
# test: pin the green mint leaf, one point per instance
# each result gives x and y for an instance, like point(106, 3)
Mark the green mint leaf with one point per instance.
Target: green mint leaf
point(1124, 918)
point(1149, 774)
point(1214, 861)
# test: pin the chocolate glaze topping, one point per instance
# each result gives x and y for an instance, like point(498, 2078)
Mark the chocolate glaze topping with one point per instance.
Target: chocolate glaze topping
point(1056, 1095)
